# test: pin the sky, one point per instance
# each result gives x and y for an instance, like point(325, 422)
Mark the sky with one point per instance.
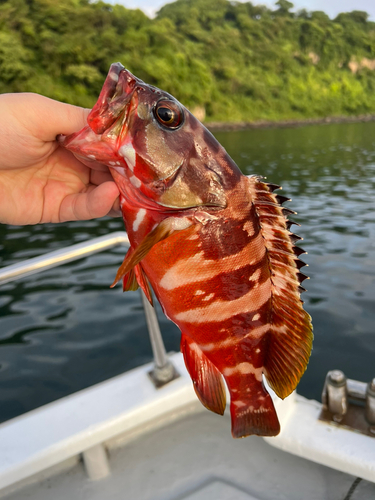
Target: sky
point(331, 7)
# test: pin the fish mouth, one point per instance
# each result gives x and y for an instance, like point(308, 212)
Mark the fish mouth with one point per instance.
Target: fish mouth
point(114, 99)
point(108, 119)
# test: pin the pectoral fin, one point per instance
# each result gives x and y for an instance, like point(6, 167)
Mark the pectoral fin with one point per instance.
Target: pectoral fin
point(161, 232)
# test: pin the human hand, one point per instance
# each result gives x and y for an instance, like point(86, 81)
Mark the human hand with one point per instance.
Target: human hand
point(39, 180)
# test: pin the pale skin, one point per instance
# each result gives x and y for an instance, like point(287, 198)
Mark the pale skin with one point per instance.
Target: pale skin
point(39, 180)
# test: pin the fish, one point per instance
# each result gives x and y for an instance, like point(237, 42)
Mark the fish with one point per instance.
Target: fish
point(213, 244)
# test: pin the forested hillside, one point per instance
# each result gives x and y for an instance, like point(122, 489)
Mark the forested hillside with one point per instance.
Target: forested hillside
point(238, 61)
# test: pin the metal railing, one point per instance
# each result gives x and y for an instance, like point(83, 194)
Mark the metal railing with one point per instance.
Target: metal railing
point(163, 371)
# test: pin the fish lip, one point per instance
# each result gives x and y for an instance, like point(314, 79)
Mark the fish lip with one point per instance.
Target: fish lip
point(109, 106)
point(114, 99)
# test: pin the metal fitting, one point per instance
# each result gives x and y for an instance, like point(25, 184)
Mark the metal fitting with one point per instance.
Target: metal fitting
point(163, 375)
point(335, 394)
point(337, 377)
point(350, 403)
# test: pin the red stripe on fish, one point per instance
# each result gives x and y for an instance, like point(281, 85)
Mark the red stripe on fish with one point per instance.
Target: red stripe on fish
point(214, 245)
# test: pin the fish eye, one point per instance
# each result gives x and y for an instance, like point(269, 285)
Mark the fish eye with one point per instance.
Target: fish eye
point(168, 114)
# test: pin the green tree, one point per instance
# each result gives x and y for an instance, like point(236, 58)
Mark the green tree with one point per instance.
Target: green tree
point(284, 7)
point(238, 60)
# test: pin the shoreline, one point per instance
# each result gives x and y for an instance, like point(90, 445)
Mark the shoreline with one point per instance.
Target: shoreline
point(232, 126)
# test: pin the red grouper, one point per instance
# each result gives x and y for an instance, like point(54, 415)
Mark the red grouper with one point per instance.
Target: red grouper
point(214, 245)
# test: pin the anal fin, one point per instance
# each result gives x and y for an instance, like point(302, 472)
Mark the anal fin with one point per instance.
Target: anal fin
point(207, 380)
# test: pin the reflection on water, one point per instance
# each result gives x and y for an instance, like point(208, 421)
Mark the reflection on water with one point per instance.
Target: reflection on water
point(65, 329)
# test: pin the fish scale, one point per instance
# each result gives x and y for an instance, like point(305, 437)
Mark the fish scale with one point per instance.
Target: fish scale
point(213, 244)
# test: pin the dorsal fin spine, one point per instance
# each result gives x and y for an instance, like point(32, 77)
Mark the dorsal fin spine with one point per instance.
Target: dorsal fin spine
point(290, 334)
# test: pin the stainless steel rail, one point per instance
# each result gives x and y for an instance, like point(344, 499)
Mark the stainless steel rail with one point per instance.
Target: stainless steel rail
point(59, 257)
point(164, 371)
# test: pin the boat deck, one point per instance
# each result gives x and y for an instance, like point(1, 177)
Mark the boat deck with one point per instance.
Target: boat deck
point(195, 458)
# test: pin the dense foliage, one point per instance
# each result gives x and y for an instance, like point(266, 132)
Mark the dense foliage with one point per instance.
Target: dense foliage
point(237, 60)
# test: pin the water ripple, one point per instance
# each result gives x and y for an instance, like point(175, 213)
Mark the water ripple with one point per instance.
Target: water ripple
point(65, 329)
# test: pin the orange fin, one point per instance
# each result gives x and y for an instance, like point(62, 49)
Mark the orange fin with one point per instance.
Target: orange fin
point(207, 380)
point(290, 334)
point(254, 414)
point(129, 282)
point(136, 278)
point(143, 282)
point(161, 232)
point(123, 270)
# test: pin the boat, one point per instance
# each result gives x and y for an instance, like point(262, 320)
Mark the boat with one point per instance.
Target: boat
point(144, 435)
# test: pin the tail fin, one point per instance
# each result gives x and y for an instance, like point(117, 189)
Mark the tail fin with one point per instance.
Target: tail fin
point(253, 413)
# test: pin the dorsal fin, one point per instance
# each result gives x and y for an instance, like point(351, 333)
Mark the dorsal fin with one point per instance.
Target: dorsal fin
point(290, 335)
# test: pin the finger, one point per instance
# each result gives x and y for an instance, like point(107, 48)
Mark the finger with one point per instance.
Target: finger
point(116, 209)
point(95, 202)
point(45, 118)
point(92, 164)
point(97, 177)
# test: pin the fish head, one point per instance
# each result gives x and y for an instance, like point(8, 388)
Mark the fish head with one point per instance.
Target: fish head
point(156, 149)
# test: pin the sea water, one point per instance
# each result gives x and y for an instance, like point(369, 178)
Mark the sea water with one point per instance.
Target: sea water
point(64, 329)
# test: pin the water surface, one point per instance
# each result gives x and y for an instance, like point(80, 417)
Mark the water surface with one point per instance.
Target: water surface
point(64, 329)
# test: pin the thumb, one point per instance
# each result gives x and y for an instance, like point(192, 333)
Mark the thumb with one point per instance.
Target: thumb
point(44, 117)
point(97, 201)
